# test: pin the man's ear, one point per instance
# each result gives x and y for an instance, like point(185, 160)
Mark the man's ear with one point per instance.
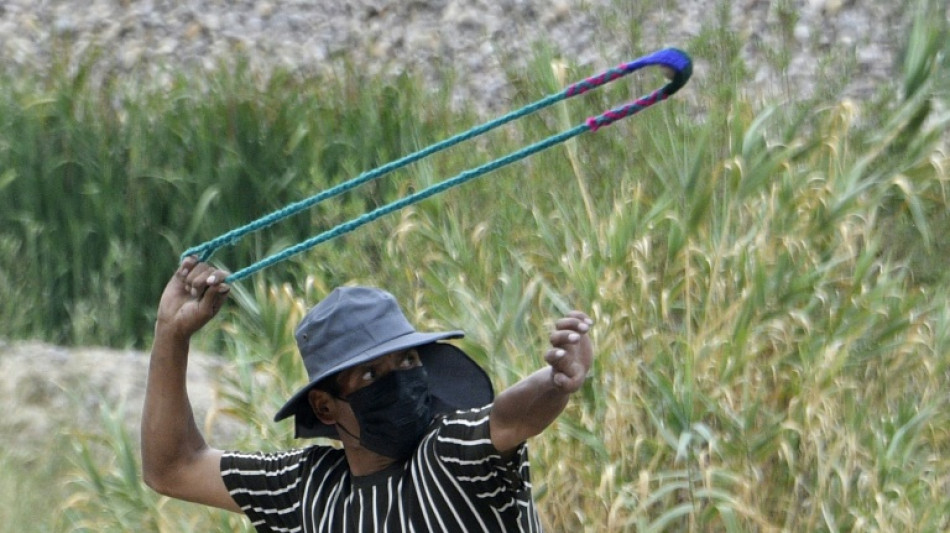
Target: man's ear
point(323, 406)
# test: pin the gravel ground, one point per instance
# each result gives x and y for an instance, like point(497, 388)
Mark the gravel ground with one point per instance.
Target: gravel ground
point(141, 38)
point(52, 391)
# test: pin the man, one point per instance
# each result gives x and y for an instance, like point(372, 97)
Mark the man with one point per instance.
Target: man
point(424, 445)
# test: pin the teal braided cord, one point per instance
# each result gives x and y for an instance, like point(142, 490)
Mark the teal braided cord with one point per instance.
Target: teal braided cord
point(366, 218)
point(591, 124)
point(206, 250)
point(671, 57)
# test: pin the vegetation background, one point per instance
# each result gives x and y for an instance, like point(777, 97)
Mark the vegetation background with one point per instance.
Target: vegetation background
point(766, 276)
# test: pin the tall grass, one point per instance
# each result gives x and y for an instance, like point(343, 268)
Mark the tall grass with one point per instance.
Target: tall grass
point(104, 186)
point(767, 280)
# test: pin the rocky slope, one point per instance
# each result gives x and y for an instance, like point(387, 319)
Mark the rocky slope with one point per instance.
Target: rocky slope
point(141, 38)
point(51, 391)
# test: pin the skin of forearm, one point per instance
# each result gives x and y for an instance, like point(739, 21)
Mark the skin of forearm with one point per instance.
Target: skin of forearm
point(528, 407)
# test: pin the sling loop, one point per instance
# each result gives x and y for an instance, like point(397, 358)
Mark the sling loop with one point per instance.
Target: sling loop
point(679, 69)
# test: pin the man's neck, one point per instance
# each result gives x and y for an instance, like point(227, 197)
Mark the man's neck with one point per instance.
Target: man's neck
point(363, 462)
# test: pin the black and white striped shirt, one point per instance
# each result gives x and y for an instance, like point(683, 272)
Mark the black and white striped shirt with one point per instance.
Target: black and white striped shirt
point(455, 481)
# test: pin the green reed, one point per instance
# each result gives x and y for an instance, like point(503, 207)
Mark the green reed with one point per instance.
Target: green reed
point(105, 186)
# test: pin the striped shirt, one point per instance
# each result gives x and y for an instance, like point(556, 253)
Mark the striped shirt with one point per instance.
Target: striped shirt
point(455, 481)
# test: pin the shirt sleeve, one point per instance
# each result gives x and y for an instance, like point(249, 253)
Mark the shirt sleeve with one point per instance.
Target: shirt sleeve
point(463, 445)
point(267, 487)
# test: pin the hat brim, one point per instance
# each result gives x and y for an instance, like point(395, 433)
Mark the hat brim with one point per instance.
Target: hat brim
point(455, 381)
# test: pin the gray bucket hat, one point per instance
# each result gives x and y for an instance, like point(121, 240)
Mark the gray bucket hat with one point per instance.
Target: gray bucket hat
point(353, 325)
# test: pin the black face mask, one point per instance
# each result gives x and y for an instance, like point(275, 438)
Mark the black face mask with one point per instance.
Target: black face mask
point(393, 412)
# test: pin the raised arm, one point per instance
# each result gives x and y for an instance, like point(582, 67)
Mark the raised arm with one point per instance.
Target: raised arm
point(176, 460)
point(526, 408)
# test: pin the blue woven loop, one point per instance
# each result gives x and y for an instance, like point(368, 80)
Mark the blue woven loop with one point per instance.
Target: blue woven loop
point(676, 61)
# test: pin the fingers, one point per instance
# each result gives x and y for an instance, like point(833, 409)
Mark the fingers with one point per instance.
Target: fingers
point(567, 373)
point(570, 353)
point(204, 282)
point(568, 330)
point(575, 320)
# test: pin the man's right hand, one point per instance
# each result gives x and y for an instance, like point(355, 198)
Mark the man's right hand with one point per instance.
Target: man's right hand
point(192, 297)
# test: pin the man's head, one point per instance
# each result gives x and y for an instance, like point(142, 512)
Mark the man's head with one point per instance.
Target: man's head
point(383, 406)
point(358, 332)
